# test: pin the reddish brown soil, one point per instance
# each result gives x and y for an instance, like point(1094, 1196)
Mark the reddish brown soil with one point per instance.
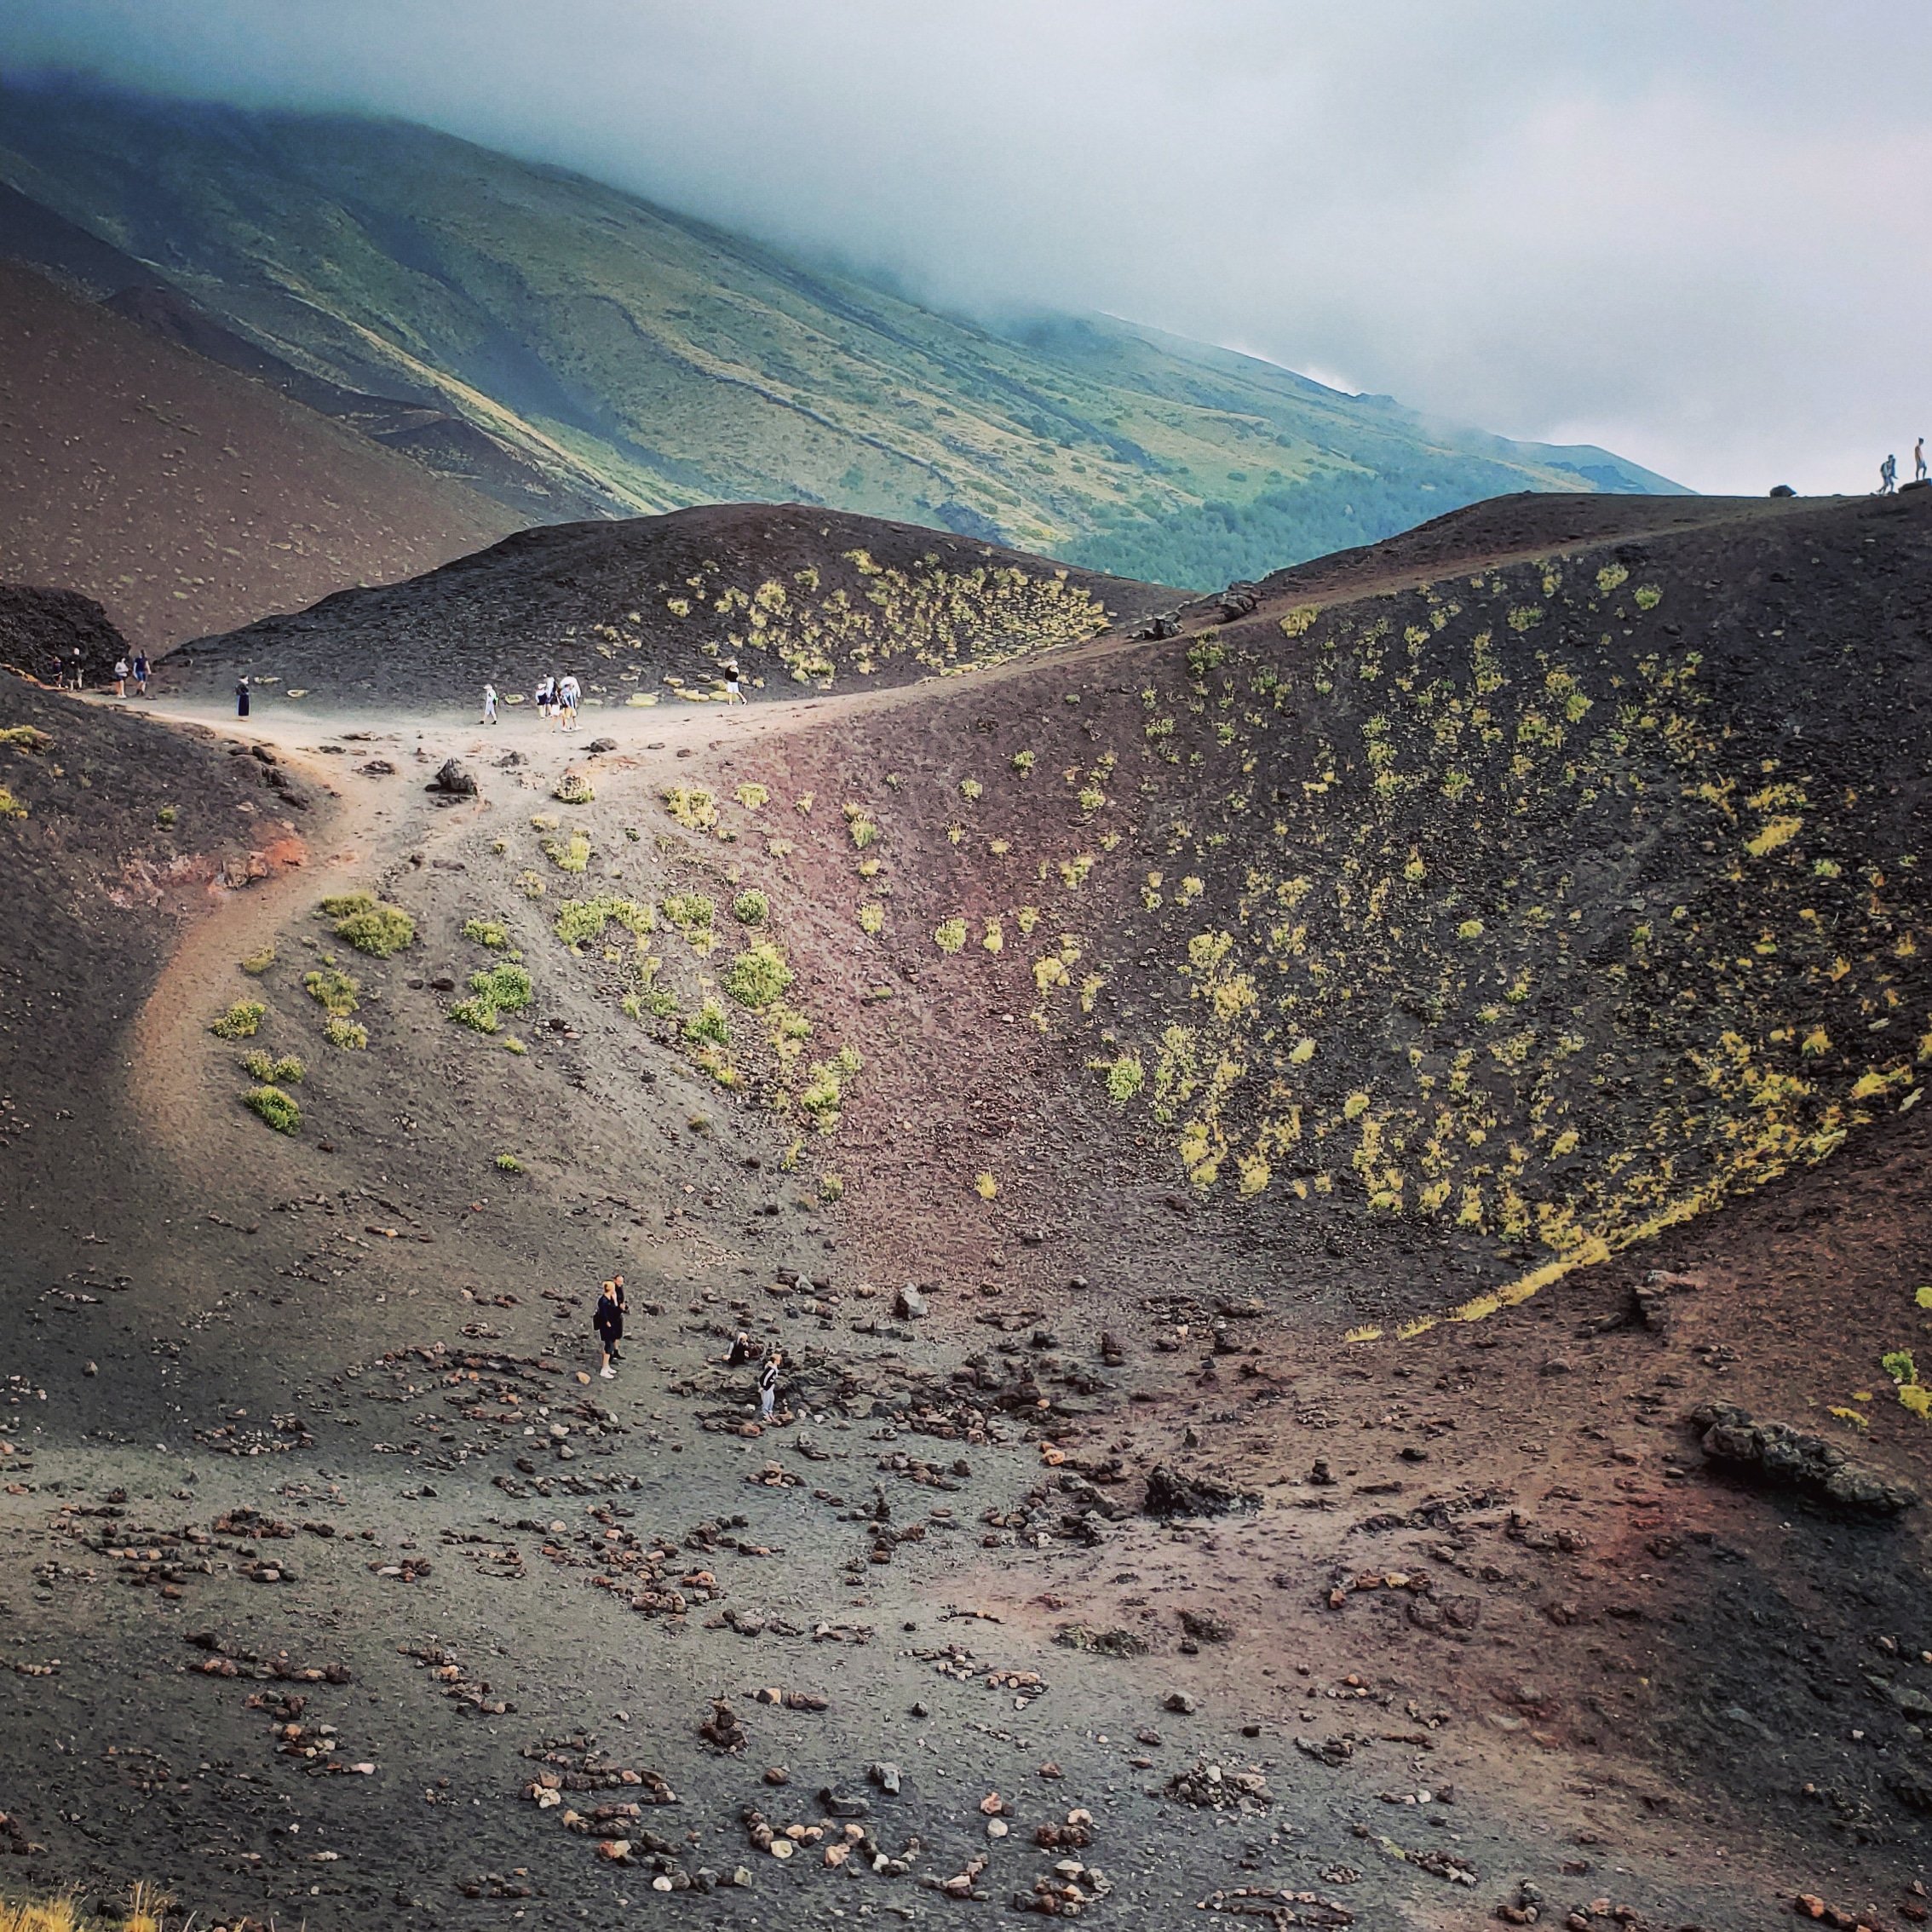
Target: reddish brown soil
point(1610, 1670)
point(185, 497)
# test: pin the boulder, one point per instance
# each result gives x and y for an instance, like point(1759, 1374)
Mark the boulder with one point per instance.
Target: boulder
point(1239, 601)
point(1171, 1493)
point(1776, 1453)
point(909, 1303)
point(453, 780)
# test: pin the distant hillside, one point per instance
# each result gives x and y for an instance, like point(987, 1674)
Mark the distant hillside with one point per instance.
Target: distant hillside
point(648, 607)
point(185, 496)
point(651, 361)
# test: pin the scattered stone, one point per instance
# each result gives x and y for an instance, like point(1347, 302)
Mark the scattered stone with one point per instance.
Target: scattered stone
point(1101, 1643)
point(909, 1303)
point(885, 1776)
point(723, 1727)
point(1206, 1626)
point(1281, 1908)
point(453, 780)
point(1216, 1789)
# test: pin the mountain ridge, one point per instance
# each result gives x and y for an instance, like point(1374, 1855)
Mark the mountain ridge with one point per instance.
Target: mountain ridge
point(658, 360)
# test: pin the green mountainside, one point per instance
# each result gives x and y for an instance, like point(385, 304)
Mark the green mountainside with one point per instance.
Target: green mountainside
point(651, 361)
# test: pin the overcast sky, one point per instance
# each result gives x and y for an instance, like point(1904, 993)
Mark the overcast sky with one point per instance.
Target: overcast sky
point(1698, 231)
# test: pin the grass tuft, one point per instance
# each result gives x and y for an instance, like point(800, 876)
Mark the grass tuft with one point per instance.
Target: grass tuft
point(758, 975)
point(240, 1022)
point(277, 1108)
point(382, 931)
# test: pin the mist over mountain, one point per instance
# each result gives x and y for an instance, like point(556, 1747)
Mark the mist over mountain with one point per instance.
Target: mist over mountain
point(649, 361)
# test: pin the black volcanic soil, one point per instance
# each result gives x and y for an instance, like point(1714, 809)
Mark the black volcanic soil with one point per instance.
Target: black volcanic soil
point(1484, 1616)
point(53, 635)
point(185, 497)
point(630, 605)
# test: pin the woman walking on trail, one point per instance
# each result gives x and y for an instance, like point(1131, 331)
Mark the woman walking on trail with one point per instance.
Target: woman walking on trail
point(121, 675)
point(768, 1385)
point(241, 698)
point(489, 703)
point(608, 1322)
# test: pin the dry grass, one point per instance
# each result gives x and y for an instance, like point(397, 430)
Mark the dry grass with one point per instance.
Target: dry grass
point(147, 1911)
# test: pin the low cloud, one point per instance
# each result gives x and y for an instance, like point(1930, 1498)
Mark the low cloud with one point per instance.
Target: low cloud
point(1695, 230)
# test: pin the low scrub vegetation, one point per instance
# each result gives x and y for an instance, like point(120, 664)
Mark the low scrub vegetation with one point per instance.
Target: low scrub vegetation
point(278, 1108)
point(240, 1022)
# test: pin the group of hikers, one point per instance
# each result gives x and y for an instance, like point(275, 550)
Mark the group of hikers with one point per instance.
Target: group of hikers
point(559, 698)
point(1888, 469)
point(70, 674)
point(608, 1319)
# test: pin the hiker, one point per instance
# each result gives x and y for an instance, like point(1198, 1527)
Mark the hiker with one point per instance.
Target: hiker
point(541, 697)
point(141, 674)
point(121, 677)
point(742, 1351)
point(733, 690)
point(767, 1385)
point(80, 670)
point(57, 671)
point(571, 694)
point(608, 1319)
point(489, 703)
point(241, 698)
point(614, 1288)
point(1918, 473)
point(1888, 476)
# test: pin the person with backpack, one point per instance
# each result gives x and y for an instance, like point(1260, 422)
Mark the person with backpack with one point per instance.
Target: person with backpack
point(607, 1319)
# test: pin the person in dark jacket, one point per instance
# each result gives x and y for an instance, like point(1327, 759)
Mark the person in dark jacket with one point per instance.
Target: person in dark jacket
point(241, 698)
point(767, 1385)
point(743, 1350)
point(615, 1287)
point(608, 1322)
